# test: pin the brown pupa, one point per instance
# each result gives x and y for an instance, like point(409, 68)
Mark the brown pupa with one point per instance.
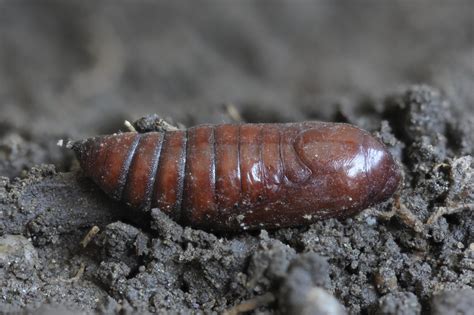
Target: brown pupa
point(234, 177)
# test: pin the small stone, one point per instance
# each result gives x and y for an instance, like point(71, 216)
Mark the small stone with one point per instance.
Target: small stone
point(315, 301)
point(453, 302)
point(303, 290)
point(111, 272)
point(400, 303)
point(18, 254)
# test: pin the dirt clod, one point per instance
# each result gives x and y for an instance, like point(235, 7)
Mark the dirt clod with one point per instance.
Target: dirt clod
point(400, 303)
point(453, 302)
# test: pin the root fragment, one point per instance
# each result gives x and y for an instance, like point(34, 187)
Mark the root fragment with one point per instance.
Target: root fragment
point(404, 214)
point(409, 218)
point(251, 304)
point(233, 112)
point(89, 236)
point(78, 275)
point(440, 211)
point(129, 126)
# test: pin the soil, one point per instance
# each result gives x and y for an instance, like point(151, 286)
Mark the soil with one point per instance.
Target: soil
point(70, 70)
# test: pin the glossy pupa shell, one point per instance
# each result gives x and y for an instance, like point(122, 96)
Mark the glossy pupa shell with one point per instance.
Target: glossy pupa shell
point(232, 177)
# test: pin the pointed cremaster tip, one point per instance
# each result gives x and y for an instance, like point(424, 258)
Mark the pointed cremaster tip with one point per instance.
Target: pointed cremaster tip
point(83, 150)
point(78, 147)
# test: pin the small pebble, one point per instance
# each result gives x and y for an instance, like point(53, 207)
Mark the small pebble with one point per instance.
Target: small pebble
point(18, 254)
point(400, 303)
point(455, 302)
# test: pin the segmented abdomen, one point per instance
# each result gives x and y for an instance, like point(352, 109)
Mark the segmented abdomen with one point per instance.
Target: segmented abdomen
point(200, 172)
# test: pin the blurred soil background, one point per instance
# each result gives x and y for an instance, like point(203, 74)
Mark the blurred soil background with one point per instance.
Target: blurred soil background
point(70, 69)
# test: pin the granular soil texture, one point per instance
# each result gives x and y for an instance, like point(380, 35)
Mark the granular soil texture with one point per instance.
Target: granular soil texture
point(65, 247)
